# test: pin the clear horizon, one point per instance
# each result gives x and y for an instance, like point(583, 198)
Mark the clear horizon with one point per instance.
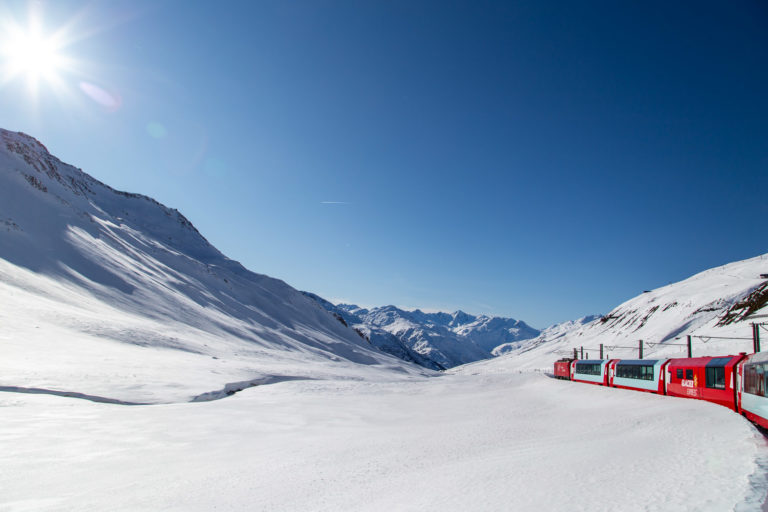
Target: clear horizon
point(536, 162)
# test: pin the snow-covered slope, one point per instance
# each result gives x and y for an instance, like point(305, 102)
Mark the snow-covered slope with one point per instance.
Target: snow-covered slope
point(716, 307)
point(435, 340)
point(550, 333)
point(110, 293)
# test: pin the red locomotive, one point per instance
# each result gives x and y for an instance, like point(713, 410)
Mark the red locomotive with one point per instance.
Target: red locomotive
point(563, 368)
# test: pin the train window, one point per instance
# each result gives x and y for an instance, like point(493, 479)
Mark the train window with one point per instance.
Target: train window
point(749, 379)
point(647, 372)
point(689, 374)
point(715, 377)
point(764, 381)
point(644, 372)
point(588, 368)
point(754, 378)
point(679, 373)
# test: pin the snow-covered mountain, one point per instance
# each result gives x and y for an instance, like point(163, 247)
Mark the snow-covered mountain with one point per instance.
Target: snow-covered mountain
point(552, 332)
point(378, 337)
point(435, 340)
point(716, 307)
point(115, 293)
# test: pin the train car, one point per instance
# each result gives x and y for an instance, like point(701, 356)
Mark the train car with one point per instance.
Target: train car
point(638, 374)
point(737, 382)
point(753, 381)
point(563, 368)
point(704, 378)
point(592, 371)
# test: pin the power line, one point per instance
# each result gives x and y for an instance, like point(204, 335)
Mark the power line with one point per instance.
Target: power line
point(639, 347)
point(707, 338)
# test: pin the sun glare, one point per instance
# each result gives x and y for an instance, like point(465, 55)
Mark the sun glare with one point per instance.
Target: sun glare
point(32, 55)
point(37, 60)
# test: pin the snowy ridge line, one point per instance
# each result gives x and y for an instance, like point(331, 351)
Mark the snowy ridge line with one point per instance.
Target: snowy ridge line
point(68, 394)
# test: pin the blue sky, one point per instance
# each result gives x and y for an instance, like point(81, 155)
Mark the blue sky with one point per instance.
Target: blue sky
point(537, 160)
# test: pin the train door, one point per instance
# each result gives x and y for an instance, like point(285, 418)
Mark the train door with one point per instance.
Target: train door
point(663, 377)
point(738, 385)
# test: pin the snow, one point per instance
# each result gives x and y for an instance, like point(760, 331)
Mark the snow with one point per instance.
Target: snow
point(249, 395)
point(459, 442)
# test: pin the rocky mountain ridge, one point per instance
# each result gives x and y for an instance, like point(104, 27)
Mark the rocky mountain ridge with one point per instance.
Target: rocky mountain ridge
point(437, 340)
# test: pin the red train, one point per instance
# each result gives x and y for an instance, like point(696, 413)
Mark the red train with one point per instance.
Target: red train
point(738, 382)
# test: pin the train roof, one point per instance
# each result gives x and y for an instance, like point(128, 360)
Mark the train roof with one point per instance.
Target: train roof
point(760, 357)
point(638, 362)
point(697, 362)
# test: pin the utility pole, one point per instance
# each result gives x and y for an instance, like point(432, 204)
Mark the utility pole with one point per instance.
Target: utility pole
point(756, 338)
point(575, 353)
point(582, 352)
point(640, 348)
point(690, 346)
point(601, 351)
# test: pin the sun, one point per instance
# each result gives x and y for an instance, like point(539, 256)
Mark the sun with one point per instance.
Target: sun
point(39, 61)
point(31, 54)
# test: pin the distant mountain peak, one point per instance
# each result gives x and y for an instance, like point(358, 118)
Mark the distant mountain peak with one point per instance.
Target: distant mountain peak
point(437, 339)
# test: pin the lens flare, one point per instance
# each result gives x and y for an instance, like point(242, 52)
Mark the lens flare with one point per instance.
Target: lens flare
point(110, 101)
point(156, 130)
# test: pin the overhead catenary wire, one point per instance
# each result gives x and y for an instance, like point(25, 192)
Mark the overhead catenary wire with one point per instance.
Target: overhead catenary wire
point(705, 339)
point(702, 337)
point(652, 344)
